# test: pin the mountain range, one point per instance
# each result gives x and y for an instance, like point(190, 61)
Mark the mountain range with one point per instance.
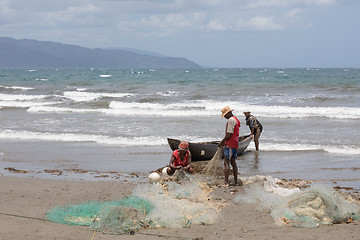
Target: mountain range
point(28, 53)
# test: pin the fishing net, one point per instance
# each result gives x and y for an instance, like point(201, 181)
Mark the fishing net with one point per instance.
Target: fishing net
point(182, 202)
point(313, 208)
point(309, 208)
point(128, 214)
point(169, 204)
point(115, 219)
point(215, 166)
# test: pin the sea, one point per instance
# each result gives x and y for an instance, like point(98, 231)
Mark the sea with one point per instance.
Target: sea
point(118, 120)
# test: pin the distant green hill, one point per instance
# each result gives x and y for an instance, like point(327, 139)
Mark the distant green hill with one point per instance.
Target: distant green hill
point(28, 53)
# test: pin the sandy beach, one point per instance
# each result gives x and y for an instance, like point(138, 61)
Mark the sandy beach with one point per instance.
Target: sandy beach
point(25, 201)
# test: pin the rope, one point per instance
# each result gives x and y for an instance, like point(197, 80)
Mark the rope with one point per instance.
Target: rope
point(44, 220)
point(33, 218)
point(167, 236)
point(93, 235)
point(21, 216)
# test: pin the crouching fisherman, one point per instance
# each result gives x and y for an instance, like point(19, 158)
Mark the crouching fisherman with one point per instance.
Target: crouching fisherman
point(180, 159)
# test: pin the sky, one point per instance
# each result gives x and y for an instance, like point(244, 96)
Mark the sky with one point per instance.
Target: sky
point(212, 33)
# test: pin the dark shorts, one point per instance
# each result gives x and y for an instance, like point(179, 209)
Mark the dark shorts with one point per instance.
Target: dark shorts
point(256, 131)
point(230, 153)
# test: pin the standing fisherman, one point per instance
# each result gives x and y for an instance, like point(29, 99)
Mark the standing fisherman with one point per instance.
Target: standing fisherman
point(231, 142)
point(255, 128)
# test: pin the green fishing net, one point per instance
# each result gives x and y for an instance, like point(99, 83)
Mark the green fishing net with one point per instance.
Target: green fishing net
point(314, 208)
point(311, 207)
point(122, 216)
point(164, 205)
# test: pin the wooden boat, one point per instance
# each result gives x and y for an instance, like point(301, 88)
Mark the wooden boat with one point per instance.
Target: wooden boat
point(202, 151)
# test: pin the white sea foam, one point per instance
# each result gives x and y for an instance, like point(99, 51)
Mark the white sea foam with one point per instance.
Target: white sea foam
point(286, 111)
point(169, 93)
point(105, 76)
point(42, 79)
point(212, 108)
point(81, 89)
point(22, 101)
point(17, 88)
point(42, 108)
point(204, 108)
point(157, 109)
point(307, 112)
point(20, 97)
point(70, 137)
point(81, 96)
point(121, 111)
point(25, 104)
point(285, 147)
point(155, 141)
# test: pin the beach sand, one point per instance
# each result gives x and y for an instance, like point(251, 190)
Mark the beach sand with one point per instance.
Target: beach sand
point(25, 201)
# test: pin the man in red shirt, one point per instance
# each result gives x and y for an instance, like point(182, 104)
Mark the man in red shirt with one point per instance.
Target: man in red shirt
point(180, 159)
point(231, 143)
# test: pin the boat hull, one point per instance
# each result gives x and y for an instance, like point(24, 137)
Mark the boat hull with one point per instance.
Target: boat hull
point(203, 151)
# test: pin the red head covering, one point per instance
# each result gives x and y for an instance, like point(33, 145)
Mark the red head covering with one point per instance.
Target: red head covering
point(184, 145)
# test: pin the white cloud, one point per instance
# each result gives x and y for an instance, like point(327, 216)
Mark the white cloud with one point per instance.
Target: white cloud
point(152, 17)
point(289, 3)
point(89, 8)
point(259, 23)
point(159, 16)
point(216, 25)
point(6, 13)
point(4, 7)
point(164, 24)
point(264, 23)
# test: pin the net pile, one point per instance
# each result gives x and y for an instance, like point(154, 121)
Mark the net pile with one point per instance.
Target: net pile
point(128, 214)
point(313, 208)
point(187, 200)
point(308, 208)
point(168, 204)
point(215, 166)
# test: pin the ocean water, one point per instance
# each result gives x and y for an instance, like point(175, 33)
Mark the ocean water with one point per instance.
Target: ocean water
point(119, 119)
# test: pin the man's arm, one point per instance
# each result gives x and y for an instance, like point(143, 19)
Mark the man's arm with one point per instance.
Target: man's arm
point(229, 131)
point(172, 160)
point(188, 161)
point(227, 137)
point(252, 127)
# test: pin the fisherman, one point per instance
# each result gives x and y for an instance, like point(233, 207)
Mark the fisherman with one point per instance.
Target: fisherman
point(180, 159)
point(255, 127)
point(231, 142)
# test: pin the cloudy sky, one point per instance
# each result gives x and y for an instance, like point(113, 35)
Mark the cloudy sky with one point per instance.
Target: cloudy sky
point(213, 33)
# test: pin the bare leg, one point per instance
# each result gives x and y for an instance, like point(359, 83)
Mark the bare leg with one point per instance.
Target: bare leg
point(227, 170)
point(256, 140)
point(235, 170)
